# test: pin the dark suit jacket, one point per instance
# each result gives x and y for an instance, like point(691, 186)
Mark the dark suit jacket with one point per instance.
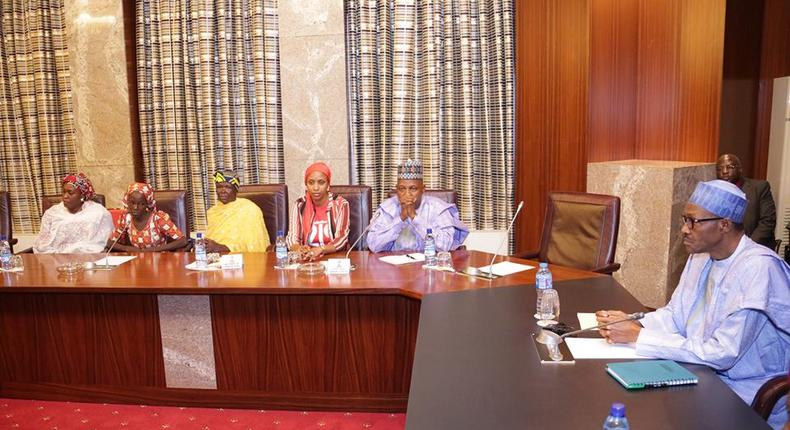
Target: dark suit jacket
point(759, 221)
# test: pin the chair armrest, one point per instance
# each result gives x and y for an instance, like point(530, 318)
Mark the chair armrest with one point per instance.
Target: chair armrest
point(769, 393)
point(608, 269)
point(13, 241)
point(528, 255)
point(25, 251)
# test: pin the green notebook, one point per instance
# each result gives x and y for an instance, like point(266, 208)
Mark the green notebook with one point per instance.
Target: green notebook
point(650, 373)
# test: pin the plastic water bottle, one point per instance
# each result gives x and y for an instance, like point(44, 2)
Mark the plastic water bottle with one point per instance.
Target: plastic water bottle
point(547, 296)
point(201, 261)
point(616, 419)
point(5, 253)
point(281, 250)
point(430, 249)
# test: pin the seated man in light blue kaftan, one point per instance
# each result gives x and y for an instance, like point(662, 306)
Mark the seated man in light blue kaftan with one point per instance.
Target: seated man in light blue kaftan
point(402, 221)
point(731, 309)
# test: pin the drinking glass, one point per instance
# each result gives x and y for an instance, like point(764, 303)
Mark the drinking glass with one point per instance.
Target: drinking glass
point(444, 261)
point(549, 307)
point(294, 258)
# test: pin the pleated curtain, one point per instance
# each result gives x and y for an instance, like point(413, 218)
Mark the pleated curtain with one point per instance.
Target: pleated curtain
point(37, 147)
point(209, 94)
point(433, 80)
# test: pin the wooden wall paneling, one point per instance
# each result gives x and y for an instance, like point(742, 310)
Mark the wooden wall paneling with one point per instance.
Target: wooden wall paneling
point(700, 58)
point(551, 106)
point(81, 339)
point(332, 348)
point(613, 78)
point(774, 63)
point(740, 80)
point(128, 340)
point(17, 330)
point(657, 71)
point(679, 79)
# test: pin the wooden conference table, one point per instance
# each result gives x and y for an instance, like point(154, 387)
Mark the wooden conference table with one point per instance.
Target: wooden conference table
point(151, 331)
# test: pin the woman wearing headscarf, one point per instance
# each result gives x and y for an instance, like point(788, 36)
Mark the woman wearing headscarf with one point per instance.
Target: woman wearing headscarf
point(77, 224)
point(235, 224)
point(319, 221)
point(142, 226)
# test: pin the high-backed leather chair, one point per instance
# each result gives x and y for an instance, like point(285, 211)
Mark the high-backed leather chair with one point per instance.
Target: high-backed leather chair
point(5, 218)
point(769, 393)
point(450, 196)
point(51, 200)
point(359, 206)
point(579, 230)
point(174, 203)
point(273, 201)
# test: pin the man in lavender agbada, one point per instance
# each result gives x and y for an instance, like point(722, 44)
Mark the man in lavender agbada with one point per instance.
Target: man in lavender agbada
point(731, 309)
point(403, 220)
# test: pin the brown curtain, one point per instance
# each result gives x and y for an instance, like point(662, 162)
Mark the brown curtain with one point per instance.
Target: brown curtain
point(433, 80)
point(209, 94)
point(36, 122)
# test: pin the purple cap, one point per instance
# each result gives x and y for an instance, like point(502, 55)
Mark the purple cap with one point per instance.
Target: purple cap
point(617, 410)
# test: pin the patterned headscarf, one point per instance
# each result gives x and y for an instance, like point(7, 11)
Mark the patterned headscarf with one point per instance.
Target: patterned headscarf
point(226, 176)
point(309, 208)
point(146, 190)
point(80, 182)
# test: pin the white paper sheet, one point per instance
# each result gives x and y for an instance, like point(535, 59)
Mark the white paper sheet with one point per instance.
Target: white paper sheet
point(210, 268)
point(586, 320)
point(585, 348)
point(397, 260)
point(506, 268)
point(114, 260)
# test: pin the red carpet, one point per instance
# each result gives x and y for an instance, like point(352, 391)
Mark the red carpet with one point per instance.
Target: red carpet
point(40, 415)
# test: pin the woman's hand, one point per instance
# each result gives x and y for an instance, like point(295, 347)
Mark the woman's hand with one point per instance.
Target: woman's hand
point(314, 253)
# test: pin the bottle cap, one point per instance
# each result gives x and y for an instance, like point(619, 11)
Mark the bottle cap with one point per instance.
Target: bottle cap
point(430, 231)
point(279, 232)
point(617, 410)
point(543, 265)
point(199, 235)
point(2, 237)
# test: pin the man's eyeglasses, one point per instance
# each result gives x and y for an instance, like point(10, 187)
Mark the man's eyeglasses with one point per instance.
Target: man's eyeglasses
point(690, 222)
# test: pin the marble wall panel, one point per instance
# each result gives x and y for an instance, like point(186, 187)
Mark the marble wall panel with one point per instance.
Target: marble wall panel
point(187, 342)
point(97, 62)
point(649, 245)
point(314, 99)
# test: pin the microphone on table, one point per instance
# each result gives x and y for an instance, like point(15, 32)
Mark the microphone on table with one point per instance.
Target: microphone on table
point(490, 273)
point(364, 232)
point(106, 264)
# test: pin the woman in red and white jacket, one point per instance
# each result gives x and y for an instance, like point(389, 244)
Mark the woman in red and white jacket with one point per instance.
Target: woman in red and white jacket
point(319, 220)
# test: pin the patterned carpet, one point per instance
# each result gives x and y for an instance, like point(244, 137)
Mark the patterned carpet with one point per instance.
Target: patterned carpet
point(41, 415)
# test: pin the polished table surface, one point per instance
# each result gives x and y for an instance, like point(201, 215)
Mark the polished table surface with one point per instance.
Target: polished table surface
point(164, 273)
point(476, 367)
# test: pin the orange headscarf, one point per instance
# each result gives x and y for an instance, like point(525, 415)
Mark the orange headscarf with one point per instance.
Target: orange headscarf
point(309, 208)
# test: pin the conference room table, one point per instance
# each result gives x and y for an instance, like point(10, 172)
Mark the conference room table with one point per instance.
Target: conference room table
point(457, 350)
